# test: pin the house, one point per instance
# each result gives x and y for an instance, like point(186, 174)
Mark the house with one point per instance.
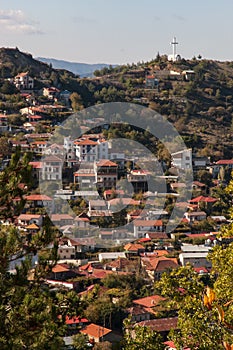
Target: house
point(110, 194)
point(23, 81)
point(134, 249)
point(195, 255)
point(50, 92)
point(36, 169)
point(188, 74)
point(65, 95)
point(152, 303)
point(156, 236)
point(75, 323)
point(113, 234)
point(151, 82)
point(82, 221)
point(155, 266)
point(122, 264)
point(55, 149)
point(111, 256)
point(97, 334)
point(62, 219)
point(141, 227)
point(27, 219)
point(52, 168)
point(38, 146)
point(196, 259)
point(222, 163)
point(195, 216)
point(202, 201)
point(90, 148)
point(139, 180)
point(66, 250)
point(161, 325)
point(39, 200)
point(182, 159)
point(105, 174)
point(198, 186)
point(3, 123)
point(85, 178)
point(116, 204)
point(61, 272)
point(138, 313)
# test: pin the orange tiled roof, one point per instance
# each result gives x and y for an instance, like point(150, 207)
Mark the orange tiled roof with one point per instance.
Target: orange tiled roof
point(60, 268)
point(38, 197)
point(150, 301)
point(95, 331)
point(106, 162)
point(148, 223)
point(133, 247)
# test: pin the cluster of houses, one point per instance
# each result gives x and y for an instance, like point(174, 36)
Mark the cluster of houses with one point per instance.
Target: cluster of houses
point(91, 169)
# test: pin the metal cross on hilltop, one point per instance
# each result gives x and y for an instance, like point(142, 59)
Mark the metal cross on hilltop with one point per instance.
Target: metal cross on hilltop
point(174, 43)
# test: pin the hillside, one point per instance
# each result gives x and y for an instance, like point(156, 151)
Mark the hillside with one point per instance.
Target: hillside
point(199, 105)
point(81, 69)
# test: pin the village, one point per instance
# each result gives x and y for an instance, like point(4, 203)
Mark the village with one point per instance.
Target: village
point(107, 235)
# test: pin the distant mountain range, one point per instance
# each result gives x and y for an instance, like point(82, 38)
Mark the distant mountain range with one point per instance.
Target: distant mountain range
point(82, 69)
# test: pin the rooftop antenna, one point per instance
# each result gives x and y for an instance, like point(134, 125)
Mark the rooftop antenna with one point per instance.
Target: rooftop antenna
point(174, 43)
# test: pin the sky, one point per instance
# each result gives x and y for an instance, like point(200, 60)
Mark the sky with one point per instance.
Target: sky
point(117, 31)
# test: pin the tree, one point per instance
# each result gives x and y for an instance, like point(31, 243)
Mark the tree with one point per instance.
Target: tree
point(11, 190)
point(5, 146)
point(80, 342)
point(31, 316)
point(76, 102)
point(8, 88)
point(138, 337)
point(199, 327)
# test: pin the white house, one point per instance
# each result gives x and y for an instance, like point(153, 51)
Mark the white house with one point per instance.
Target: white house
point(23, 81)
point(52, 168)
point(182, 159)
point(111, 256)
point(141, 227)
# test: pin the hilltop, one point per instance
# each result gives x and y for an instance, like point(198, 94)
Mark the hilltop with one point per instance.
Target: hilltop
point(195, 95)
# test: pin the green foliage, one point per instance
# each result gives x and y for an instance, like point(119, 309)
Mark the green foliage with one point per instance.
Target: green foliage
point(80, 342)
point(11, 193)
point(138, 337)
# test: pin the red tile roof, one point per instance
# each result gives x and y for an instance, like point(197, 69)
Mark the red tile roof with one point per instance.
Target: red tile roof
point(36, 165)
point(203, 199)
point(28, 216)
point(148, 223)
point(95, 331)
point(224, 162)
point(58, 217)
point(150, 301)
point(124, 201)
point(161, 324)
point(75, 320)
point(38, 197)
point(60, 268)
point(85, 142)
point(133, 247)
point(106, 162)
point(144, 240)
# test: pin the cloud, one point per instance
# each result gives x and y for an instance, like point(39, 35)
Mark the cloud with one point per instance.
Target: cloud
point(16, 21)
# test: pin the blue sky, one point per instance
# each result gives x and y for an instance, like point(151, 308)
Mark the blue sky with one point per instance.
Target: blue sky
point(117, 31)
